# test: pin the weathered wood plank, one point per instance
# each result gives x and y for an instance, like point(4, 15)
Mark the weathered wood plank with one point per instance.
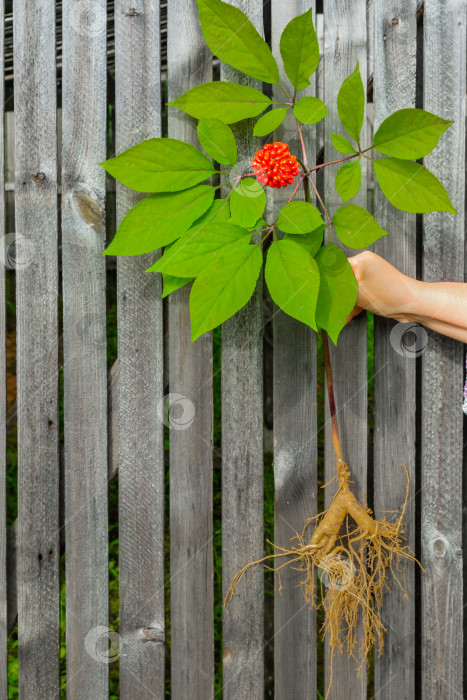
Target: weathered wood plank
point(345, 38)
point(12, 534)
point(37, 349)
point(242, 457)
point(85, 362)
point(444, 67)
point(190, 376)
point(3, 421)
point(295, 436)
point(395, 368)
point(140, 387)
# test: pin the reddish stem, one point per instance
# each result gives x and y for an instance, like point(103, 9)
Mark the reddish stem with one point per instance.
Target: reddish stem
point(331, 162)
point(332, 403)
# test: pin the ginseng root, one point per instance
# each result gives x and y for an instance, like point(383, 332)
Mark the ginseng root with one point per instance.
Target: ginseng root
point(353, 553)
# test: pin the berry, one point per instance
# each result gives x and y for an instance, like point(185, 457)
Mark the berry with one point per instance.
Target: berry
point(274, 166)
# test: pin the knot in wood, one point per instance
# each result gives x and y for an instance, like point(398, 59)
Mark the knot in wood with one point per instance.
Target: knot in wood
point(39, 177)
point(89, 209)
point(154, 635)
point(395, 20)
point(439, 547)
point(132, 12)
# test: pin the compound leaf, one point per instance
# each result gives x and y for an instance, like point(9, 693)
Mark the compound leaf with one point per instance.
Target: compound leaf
point(349, 179)
point(351, 104)
point(356, 227)
point(309, 110)
point(224, 288)
point(269, 121)
point(293, 280)
point(299, 50)
point(159, 219)
point(228, 102)
point(160, 165)
point(410, 133)
point(411, 187)
point(299, 217)
point(231, 37)
point(338, 290)
point(218, 140)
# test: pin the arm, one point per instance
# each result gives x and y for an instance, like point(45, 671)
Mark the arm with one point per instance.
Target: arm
point(383, 290)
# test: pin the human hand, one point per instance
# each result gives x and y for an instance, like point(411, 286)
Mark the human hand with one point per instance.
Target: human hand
point(382, 289)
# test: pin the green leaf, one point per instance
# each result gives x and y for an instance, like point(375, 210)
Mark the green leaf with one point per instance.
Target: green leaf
point(410, 133)
point(309, 110)
point(356, 227)
point(159, 219)
point(160, 165)
point(269, 121)
point(299, 50)
point(231, 37)
point(224, 288)
point(219, 211)
point(310, 241)
point(342, 144)
point(218, 140)
point(349, 179)
point(171, 284)
point(299, 217)
point(293, 280)
point(201, 247)
point(411, 187)
point(247, 203)
point(351, 104)
point(228, 102)
point(338, 290)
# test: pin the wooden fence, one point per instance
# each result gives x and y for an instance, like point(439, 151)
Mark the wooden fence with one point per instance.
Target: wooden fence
point(410, 54)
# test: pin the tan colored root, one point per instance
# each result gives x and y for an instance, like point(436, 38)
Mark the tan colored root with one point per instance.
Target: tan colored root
point(353, 568)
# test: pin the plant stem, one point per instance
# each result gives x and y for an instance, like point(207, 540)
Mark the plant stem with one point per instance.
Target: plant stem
point(296, 188)
point(302, 142)
point(331, 162)
point(332, 403)
point(310, 179)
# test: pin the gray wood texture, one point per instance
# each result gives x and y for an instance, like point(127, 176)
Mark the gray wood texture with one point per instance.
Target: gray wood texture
point(444, 67)
point(242, 456)
point(37, 350)
point(3, 417)
point(12, 534)
point(190, 376)
point(345, 38)
point(85, 358)
point(140, 386)
point(395, 366)
point(295, 432)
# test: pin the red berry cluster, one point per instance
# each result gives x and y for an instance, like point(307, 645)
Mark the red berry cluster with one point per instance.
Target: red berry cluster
point(274, 166)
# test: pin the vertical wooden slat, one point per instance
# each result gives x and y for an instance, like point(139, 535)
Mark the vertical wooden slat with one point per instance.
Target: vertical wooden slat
point(242, 457)
point(37, 349)
point(3, 535)
point(140, 387)
point(442, 364)
point(344, 44)
point(295, 437)
point(394, 433)
point(190, 376)
point(84, 331)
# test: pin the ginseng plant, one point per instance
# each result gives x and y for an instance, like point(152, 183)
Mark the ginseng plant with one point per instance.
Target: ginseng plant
point(218, 245)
